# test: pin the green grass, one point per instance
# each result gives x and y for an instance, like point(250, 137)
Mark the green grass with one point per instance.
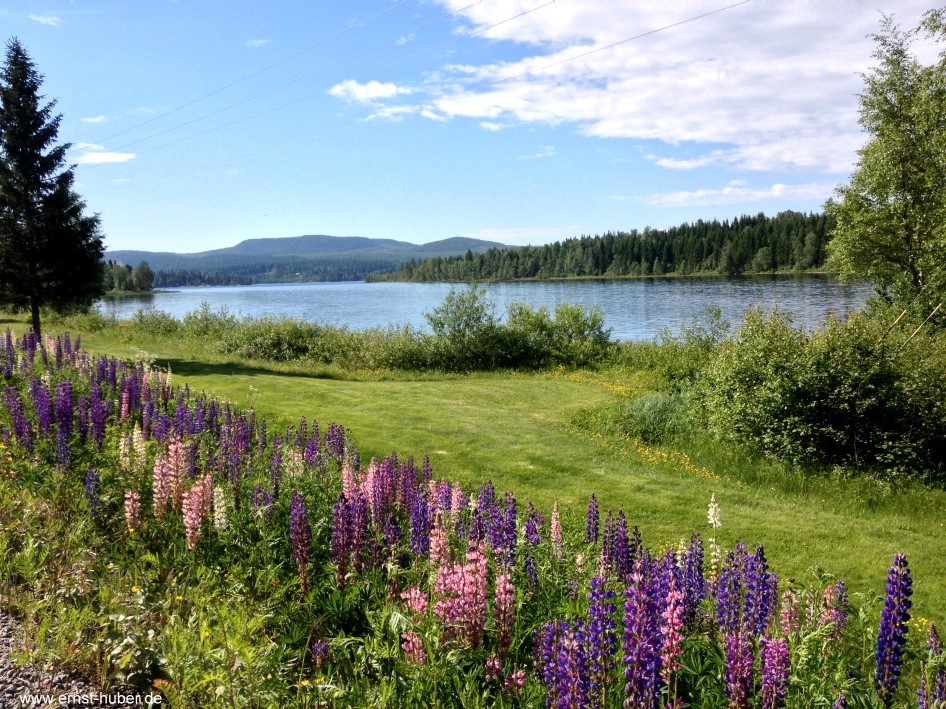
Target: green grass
point(552, 437)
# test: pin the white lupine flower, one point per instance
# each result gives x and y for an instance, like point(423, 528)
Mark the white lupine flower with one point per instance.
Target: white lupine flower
point(220, 509)
point(714, 514)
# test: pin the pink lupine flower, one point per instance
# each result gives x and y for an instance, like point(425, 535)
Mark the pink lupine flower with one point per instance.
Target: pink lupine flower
point(461, 590)
point(415, 601)
point(456, 500)
point(439, 543)
point(196, 505)
point(494, 668)
point(790, 617)
point(132, 510)
point(557, 527)
point(516, 681)
point(671, 624)
point(413, 648)
point(169, 474)
point(504, 610)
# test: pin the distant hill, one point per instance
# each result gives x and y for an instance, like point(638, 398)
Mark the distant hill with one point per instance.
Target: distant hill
point(314, 257)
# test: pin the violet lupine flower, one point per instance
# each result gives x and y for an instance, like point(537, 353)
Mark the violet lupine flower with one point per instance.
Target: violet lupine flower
point(760, 594)
point(892, 636)
point(320, 650)
point(694, 583)
point(533, 522)
point(570, 681)
point(591, 533)
point(64, 421)
point(420, 526)
point(775, 672)
point(739, 661)
point(532, 572)
point(132, 511)
point(301, 535)
point(641, 644)
point(22, 426)
point(261, 502)
point(602, 639)
point(341, 537)
point(93, 487)
point(729, 596)
point(42, 405)
point(840, 702)
point(504, 610)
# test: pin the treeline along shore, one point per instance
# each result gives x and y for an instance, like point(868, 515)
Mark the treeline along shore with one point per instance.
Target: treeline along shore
point(789, 241)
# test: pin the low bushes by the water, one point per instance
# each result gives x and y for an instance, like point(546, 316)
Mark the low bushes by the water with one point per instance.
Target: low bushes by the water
point(166, 541)
point(852, 393)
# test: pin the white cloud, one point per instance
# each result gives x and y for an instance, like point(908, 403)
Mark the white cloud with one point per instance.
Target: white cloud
point(50, 20)
point(392, 113)
point(547, 151)
point(95, 119)
point(255, 43)
point(99, 158)
point(735, 193)
point(490, 126)
point(352, 91)
point(770, 86)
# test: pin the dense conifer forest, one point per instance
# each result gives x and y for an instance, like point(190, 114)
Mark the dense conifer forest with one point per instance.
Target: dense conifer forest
point(747, 244)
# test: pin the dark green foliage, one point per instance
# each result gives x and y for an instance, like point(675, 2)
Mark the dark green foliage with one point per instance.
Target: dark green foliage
point(657, 417)
point(50, 252)
point(789, 241)
point(843, 395)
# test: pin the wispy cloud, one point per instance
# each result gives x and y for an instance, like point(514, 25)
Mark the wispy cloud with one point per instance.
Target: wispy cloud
point(99, 158)
point(255, 43)
point(95, 119)
point(50, 20)
point(547, 151)
point(356, 92)
point(736, 192)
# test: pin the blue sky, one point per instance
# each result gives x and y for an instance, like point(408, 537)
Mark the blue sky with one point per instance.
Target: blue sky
point(197, 124)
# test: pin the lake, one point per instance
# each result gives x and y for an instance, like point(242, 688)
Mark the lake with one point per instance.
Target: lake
point(635, 309)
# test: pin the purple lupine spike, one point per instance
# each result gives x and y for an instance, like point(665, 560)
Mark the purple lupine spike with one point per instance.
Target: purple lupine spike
point(93, 487)
point(892, 636)
point(602, 639)
point(621, 555)
point(694, 582)
point(532, 572)
point(544, 655)
point(934, 649)
point(509, 537)
point(739, 664)
point(22, 425)
point(533, 522)
point(761, 593)
point(300, 533)
point(591, 533)
point(261, 502)
point(65, 415)
point(775, 672)
point(729, 596)
point(840, 702)
point(420, 526)
point(641, 644)
point(39, 395)
point(341, 537)
point(607, 543)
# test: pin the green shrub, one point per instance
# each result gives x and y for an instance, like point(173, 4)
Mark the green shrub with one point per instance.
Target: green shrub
point(845, 394)
point(656, 417)
point(205, 323)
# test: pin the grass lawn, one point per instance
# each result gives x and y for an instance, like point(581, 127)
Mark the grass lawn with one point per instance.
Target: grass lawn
point(544, 437)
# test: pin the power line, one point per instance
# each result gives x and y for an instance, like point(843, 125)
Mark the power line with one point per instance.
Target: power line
point(325, 40)
point(321, 70)
point(619, 42)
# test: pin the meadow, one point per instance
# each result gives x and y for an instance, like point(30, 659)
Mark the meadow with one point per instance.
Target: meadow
point(245, 629)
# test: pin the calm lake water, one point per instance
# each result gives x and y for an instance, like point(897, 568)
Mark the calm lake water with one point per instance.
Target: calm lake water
point(635, 309)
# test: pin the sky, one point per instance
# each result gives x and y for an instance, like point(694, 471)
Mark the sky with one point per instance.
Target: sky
point(196, 124)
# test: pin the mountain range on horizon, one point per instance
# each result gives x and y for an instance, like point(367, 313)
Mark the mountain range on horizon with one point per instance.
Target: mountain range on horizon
point(318, 257)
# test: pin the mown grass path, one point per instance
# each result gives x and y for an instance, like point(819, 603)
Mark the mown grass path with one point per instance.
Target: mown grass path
point(538, 436)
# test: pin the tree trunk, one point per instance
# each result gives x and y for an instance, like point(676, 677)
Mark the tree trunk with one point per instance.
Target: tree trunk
point(34, 307)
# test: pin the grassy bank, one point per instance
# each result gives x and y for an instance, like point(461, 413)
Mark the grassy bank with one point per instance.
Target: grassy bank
point(556, 435)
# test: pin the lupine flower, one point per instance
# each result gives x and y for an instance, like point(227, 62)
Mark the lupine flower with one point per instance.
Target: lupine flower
point(715, 518)
point(760, 594)
point(261, 501)
point(64, 421)
point(516, 681)
point(413, 648)
point(93, 486)
point(415, 601)
point(592, 528)
point(641, 644)
point(132, 510)
point(533, 522)
point(729, 596)
point(220, 509)
point(196, 504)
point(739, 661)
point(790, 618)
point(671, 623)
point(602, 638)
point(494, 668)
point(934, 649)
point(557, 539)
point(892, 636)
point(694, 584)
point(504, 610)
point(461, 592)
point(775, 671)
point(320, 650)
point(301, 535)
point(840, 702)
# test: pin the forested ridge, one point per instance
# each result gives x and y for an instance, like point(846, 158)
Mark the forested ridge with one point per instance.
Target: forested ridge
point(747, 244)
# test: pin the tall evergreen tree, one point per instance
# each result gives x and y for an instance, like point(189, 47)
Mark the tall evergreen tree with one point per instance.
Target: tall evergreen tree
point(50, 252)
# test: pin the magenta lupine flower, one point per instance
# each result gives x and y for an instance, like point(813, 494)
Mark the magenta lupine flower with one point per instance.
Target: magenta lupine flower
point(415, 601)
point(671, 623)
point(557, 539)
point(413, 648)
point(835, 608)
point(739, 661)
point(641, 644)
point(504, 611)
point(892, 636)
point(790, 617)
point(494, 668)
point(300, 533)
point(775, 672)
point(516, 681)
point(132, 511)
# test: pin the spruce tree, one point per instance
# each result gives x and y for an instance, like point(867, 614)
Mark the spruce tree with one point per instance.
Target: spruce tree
point(50, 252)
